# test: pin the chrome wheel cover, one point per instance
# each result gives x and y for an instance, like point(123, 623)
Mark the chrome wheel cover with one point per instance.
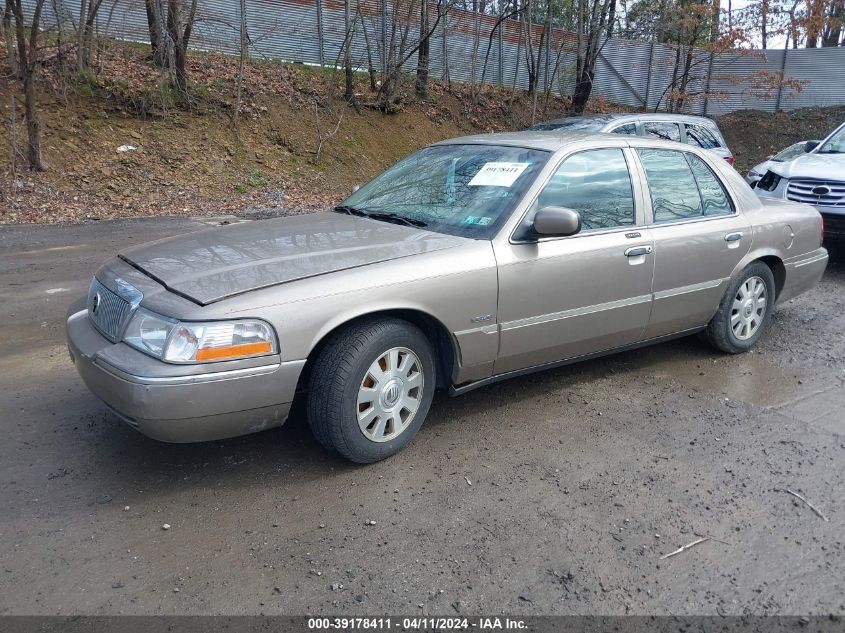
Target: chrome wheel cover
point(749, 308)
point(390, 394)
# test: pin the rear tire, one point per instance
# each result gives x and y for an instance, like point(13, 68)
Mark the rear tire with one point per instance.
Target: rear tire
point(744, 312)
point(371, 388)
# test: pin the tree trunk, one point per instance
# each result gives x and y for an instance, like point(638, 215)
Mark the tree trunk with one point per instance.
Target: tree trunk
point(603, 13)
point(371, 70)
point(86, 33)
point(180, 37)
point(156, 30)
point(349, 89)
point(244, 38)
point(9, 38)
point(833, 29)
point(421, 84)
point(815, 22)
point(28, 57)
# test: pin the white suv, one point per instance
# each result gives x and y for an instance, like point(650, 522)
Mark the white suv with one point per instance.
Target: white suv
point(817, 178)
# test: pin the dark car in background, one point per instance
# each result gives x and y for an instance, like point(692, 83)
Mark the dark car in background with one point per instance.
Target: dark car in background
point(684, 128)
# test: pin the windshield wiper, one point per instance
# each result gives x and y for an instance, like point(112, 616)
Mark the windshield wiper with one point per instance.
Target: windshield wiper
point(398, 219)
point(345, 208)
point(380, 215)
point(830, 151)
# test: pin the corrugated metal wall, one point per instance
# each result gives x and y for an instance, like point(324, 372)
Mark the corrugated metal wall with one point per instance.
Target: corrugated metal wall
point(629, 72)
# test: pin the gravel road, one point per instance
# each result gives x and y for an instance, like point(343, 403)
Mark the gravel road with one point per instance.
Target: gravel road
point(556, 493)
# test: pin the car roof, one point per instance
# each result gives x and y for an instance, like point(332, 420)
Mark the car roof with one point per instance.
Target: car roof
point(553, 140)
point(634, 116)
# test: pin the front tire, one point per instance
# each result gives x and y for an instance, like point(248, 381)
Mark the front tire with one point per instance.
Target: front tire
point(744, 311)
point(371, 388)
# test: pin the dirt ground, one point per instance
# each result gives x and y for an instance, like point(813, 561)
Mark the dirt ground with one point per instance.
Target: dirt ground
point(556, 493)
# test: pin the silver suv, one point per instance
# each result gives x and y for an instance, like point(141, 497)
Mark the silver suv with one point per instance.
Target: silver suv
point(694, 130)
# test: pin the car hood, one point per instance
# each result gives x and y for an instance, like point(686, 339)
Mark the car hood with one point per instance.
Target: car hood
point(817, 166)
point(762, 168)
point(209, 266)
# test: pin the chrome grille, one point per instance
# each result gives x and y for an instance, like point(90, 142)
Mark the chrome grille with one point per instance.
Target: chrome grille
point(813, 192)
point(107, 310)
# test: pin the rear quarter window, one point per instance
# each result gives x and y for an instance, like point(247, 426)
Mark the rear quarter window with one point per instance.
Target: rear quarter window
point(682, 186)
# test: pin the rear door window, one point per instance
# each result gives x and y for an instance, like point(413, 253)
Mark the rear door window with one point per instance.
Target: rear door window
point(663, 130)
point(700, 136)
point(596, 184)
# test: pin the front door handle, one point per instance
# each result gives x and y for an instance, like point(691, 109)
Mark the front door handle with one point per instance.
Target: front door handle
point(635, 251)
point(733, 237)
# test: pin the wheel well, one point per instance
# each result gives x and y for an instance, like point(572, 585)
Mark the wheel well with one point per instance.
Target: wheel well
point(778, 270)
point(437, 334)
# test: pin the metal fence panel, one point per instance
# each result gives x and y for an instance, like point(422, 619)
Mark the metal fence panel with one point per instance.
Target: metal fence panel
point(637, 74)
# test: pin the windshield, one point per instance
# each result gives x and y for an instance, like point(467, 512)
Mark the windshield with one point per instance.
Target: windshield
point(835, 144)
point(466, 190)
point(573, 124)
point(793, 151)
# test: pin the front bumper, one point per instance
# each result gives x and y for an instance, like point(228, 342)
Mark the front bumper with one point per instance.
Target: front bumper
point(193, 407)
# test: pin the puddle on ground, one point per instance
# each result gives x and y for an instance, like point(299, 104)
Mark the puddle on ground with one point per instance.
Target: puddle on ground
point(747, 377)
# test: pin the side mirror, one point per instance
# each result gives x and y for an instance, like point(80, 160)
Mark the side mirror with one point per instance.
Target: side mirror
point(356, 188)
point(809, 146)
point(557, 221)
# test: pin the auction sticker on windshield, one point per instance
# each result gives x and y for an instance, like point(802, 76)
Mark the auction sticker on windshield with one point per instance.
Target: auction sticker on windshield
point(498, 174)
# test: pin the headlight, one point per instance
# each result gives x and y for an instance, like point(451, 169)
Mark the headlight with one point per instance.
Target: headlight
point(177, 342)
point(769, 182)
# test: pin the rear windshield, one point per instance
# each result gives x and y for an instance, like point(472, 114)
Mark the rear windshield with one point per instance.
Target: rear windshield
point(835, 144)
point(575, 124)
point(467, 190)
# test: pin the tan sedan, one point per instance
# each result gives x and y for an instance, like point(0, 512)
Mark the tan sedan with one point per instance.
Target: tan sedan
point(468, 262)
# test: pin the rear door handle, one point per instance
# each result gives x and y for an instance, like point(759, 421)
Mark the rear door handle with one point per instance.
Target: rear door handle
point(635, 251)
point(733, 237)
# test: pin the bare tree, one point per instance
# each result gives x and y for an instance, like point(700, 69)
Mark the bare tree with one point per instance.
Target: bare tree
point(594, 21)
point(179, 27)
point(814, 21)
point(349, 92)
point(399, 51)
point(506, 14)
point(9, 37)
point(158, 36)
point(244, 51)
point(371, 69)
point(88, 10)
point(28, 66)
point(833, 24)
point(421, 83)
